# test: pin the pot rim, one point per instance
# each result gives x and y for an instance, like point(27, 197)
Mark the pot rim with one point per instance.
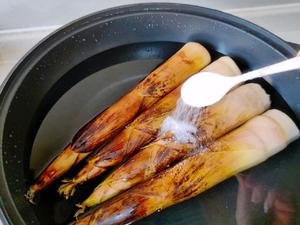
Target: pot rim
point(19, 71)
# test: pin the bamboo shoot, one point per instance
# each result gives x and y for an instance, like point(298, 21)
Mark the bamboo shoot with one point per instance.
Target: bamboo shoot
point(245, 147)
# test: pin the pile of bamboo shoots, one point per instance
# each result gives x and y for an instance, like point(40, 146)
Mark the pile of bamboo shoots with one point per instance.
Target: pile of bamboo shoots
point(153, 170)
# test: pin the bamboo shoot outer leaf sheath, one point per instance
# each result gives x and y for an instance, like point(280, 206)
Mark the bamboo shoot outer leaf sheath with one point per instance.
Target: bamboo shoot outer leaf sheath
point(246, 146)
point(234, 109)
point(141, 131)
point(188, 60)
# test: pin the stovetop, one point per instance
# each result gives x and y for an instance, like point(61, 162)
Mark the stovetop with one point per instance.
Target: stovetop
point(279, 17)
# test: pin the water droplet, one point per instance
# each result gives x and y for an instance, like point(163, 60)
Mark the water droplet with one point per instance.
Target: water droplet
point(297, 77)
point(6, 162)
point(134, 29)
point(10, 135)
point(159, 210)
point(83, 39)
point(15, 146)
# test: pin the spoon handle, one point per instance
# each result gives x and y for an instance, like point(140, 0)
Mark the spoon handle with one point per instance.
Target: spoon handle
point(286, 65)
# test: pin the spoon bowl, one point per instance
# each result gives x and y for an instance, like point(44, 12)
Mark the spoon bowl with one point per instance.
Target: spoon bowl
point(202, 89)
point(206, 88)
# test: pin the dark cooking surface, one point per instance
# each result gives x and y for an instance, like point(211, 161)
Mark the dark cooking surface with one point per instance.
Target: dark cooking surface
point(89, 64)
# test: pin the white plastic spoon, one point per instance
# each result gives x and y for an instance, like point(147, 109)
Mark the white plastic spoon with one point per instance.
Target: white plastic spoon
point(206, 88)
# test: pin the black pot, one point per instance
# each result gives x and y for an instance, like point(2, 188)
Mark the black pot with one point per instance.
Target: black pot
point(83, 67)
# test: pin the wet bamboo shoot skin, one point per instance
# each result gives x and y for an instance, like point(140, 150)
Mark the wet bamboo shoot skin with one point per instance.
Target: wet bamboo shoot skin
point(246, 146)
point(138, 133)
point(188, 60)
point(234, 109)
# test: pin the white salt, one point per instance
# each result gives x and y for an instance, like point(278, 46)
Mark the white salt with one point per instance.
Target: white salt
point(182, 123)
